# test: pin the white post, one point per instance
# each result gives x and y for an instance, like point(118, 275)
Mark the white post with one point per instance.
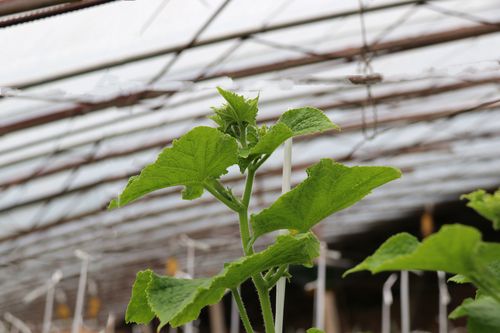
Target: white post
point(405, 302)
point(235, 317)
point(387, 302)
point(17, 323)
point(188, 328)
point(281, 285)
point(3, 328)
point(444, 300)
point(80, 296)
point(49, 290)
point(49, 305)
point(320, 288)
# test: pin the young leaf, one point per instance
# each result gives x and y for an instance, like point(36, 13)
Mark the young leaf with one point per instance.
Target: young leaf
point(330, 187)
point(314, 330)
point(454, 249)
point(238, 109)
point(483, 314)
point(292, 123)
point(198, 155)
point(178, 301)
point(485, 204)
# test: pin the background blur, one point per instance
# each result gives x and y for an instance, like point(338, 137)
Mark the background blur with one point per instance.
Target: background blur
point(92, 90)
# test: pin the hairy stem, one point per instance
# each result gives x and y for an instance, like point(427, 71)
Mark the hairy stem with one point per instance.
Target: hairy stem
point(243, 312)
point(265, 302)
point(248, 187)
point(272, 280)
point(245, 232)
point(258, 280)
point(217, 190)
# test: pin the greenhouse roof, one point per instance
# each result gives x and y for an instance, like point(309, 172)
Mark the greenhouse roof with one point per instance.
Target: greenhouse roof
point(93, 91)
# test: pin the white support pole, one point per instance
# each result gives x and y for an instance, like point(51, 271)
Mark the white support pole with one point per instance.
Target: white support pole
point(235, 317)
point(80, 296)
point(387, 302)
point(405, 302)
point(281, 285)
point(49, 290)
point(188, 328)
point(49, 306)
point(17, 323)
point(321, 288)
point(444, 300)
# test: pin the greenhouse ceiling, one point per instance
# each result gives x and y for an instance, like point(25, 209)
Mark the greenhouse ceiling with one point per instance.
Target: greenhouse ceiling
point(97, 88)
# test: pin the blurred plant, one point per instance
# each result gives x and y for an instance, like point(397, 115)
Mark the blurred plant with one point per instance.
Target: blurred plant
point(455, 249)
point(197, 160)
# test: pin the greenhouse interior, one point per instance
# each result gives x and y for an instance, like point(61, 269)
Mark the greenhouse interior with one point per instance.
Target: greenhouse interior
point(232, 166)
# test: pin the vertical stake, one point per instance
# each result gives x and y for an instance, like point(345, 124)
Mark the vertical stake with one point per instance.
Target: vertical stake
point(444, 299)
point(80, 297)
point(188, 328)
point(320, 288)
point(49, 305)
point(387, 302)
point(405, 302)
point(281, 285)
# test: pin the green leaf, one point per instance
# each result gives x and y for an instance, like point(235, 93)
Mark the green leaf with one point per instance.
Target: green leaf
point(329, 188)
point(483, 314)
point(448, 250)
point(178, 301)
point(314, 330)
point(192, 192)
point(139, 311)
point(238, 109)
point(459, 278)
point(454, 249)
point(485, 204)
point(292, 123)
point(395, 247)
point(198, 155)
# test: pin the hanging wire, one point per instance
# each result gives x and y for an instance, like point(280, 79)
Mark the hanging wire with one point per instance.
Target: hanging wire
point(367, 70)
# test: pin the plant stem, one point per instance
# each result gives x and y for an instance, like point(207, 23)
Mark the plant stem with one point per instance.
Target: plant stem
point(242, 310)
point(258, 280)
point(282, 271)
point(243, 136)
point(248, 187)
point(265, 302)
point(217, 190)
point(245, 232)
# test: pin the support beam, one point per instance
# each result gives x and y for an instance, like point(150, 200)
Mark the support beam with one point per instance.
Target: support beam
point(214, 215)
point(348, 104)
point(9, 7)
point(428, 116)
point(218, 39)
point(40, 9)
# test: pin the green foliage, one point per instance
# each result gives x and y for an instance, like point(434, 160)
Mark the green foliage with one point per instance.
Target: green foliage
point(314, 330)
point(199, 155)
point(238, 111)
point(483, 314)
point(197, 160)
point(178, 301)
point(454, 249)
point(485, 204)
point(329, 188)
point(292, 123)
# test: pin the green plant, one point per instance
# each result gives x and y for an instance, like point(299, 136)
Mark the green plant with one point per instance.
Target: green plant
point(455, 249)
point(197, 160)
